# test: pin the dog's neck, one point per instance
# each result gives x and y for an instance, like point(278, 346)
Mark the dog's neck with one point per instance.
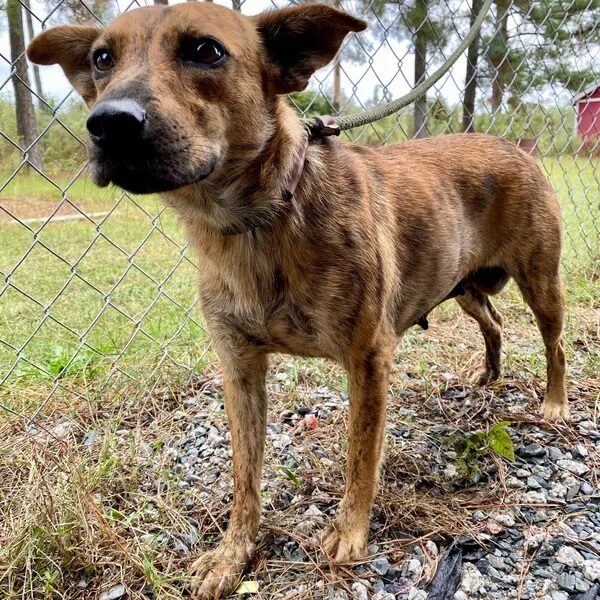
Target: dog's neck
point(252, 188)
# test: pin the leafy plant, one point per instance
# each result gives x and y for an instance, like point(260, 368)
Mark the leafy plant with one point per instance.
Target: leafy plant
point(473, 447)
point(287, 472)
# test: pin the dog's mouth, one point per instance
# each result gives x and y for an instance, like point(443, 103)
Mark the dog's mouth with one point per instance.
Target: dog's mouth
point(147, 175)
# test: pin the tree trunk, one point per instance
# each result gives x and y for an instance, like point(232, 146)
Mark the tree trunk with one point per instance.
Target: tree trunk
point(37, 80)
point(236, 4)
point(500, 61)
point(26, 121)
point(420, 37)
point(337, 75)
point(468, 119)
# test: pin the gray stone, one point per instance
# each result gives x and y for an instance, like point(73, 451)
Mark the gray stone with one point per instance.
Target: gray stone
point(535, 497)
point(572, 492)
point(581, 585)
point(532, 451)
point(558, 490)
point(383, 595)
point(566, 581)
point(569, 556)
point(560, 595)
point(514, 483)
point(505, 519)
point(497, 562)
point(533, 483)
point(114, 593)
point(472, 579)
point(378, 586)
point(591, 570)
point(544, 573)
point(577, 468)
point(555, 454)
point(313, 512)
point(416, 594)
point(359, 590)
point(460, 595)
point(586, 488)
point(412, 568)
point(90, 437)
point(381, 565)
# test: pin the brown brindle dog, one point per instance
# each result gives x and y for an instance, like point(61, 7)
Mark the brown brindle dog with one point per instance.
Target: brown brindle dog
point(188, 101)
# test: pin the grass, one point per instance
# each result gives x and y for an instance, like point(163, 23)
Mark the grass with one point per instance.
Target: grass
point(101, 311)
point(87, 296)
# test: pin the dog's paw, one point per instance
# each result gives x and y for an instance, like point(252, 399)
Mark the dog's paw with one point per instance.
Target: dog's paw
point(216, 574)
point(344, 545)
point(555, 411)
point(485, 376)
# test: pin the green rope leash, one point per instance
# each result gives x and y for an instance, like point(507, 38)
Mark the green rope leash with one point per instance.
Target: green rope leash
point(323, 126)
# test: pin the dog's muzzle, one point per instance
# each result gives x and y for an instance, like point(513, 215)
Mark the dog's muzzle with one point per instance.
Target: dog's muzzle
point(139, 151)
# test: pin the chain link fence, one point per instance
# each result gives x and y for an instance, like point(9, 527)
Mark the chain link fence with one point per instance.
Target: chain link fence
point(98, 287)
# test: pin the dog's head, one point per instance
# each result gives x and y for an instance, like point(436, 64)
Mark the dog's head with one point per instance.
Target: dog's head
point(177, 92)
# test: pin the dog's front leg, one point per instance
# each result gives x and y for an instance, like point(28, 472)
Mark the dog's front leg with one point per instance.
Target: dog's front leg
point(217, 573)
point(368, 377)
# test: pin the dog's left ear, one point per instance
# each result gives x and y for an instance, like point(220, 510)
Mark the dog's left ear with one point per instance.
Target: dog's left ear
point(69, 46)
point(300, 40)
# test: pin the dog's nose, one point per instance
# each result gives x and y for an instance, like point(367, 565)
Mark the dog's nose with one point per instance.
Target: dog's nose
point(116, 122)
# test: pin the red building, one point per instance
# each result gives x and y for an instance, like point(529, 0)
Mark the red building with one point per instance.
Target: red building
point(588, 114)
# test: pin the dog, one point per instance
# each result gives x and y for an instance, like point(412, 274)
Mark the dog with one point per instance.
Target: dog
point(321, 249)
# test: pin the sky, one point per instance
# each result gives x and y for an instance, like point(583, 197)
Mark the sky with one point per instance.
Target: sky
point(391, 64)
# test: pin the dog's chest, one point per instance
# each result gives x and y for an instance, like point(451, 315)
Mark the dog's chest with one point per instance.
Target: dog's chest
point(263, 304)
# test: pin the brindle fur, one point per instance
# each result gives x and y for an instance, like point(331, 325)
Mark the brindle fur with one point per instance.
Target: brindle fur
point(371, 241)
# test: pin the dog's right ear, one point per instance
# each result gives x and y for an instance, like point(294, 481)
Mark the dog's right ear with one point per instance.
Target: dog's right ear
point(301, 39)
point(69, 46)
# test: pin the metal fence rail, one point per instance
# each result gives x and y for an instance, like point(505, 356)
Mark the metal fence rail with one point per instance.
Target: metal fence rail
point(98, 287)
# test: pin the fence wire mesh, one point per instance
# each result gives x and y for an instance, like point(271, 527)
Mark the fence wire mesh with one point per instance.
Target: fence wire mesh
point(98, 287)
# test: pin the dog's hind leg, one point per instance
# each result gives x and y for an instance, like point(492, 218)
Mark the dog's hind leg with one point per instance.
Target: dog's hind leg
point(217, 573)
point(478, 305)
point(544, 295)
point(368, 376)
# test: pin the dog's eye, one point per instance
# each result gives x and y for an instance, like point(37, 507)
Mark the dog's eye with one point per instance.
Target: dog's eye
point(203, 52)
point(103, 60)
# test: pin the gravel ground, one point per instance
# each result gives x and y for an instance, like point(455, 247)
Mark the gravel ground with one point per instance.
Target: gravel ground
point(527, 529)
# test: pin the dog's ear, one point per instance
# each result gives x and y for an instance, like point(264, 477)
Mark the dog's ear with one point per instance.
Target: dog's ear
point(302, 39)
point(69, 46)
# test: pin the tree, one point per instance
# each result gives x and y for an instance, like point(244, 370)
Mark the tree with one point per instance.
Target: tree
point(350, 51)
point(37, 80)
point(551, 42)
point(418, 18)
point(502, 58)
point(570, 31)
point(468, 116)
point(425, 23)
point(90, 11)
point(26, 121)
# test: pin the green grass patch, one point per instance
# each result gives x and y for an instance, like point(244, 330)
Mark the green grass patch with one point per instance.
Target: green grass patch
point(116, 292)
